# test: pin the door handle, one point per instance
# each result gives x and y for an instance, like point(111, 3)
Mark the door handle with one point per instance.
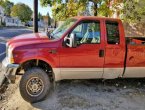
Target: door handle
point(101, 53)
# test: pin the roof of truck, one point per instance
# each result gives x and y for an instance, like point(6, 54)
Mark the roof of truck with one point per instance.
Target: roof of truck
point(94, 17)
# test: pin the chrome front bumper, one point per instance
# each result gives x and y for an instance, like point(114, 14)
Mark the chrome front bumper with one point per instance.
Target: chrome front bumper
point(9, 70)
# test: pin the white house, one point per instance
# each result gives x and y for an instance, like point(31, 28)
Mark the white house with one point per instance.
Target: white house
point(12, 21)
point(9, 21)
point(1, 15)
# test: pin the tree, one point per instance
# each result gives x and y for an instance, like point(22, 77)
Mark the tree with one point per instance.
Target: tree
point(7, 5)
point(62, 10)
point(1, 2)
point(108, 8)
point(97, 4)
point(130, 10)
point(134, 11)
point(47, 2)
point(40, 17)
point(49, 19)
point(22, 11)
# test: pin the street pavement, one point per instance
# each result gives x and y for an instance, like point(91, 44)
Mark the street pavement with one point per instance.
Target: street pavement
point(2, 51)
point(8, 33)
point(11, 32)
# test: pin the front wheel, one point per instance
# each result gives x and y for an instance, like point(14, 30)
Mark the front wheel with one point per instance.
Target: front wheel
point(34, 85)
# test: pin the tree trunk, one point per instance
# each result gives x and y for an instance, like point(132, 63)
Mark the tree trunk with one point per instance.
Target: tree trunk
point(95, 9)
point(55, 24)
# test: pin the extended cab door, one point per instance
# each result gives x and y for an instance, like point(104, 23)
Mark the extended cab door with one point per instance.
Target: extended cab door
point(87, 59)
point(114, 49)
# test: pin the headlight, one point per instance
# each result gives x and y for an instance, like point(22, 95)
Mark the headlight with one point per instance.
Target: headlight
point(9, 54)
point(6, 49)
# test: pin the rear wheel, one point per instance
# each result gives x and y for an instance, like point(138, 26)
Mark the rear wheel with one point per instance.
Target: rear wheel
point(34, 85)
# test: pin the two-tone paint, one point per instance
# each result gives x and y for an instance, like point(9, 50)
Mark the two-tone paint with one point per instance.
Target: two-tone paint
point(82, 62)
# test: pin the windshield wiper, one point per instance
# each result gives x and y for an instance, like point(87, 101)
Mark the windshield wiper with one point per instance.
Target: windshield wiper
point(56, 32)
point(49, 35)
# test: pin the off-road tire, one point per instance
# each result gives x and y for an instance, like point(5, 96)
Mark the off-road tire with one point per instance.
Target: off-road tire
point(32, 73)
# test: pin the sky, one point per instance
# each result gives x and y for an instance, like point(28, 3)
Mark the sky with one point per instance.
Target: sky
point(42, 10)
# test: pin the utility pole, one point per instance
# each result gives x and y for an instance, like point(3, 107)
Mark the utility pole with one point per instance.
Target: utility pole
point(35, 16)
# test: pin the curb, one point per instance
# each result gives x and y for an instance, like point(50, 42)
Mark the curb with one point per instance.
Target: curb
point(10, 27)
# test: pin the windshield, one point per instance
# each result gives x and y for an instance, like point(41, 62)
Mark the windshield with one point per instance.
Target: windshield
point(58, 32)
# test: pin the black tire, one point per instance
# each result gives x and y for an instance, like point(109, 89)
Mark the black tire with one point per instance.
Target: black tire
point(34, 78)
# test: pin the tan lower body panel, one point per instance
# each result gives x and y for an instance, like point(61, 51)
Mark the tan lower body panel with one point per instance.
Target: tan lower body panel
point(78, 73)
point(81, 73)
point(87, 73)
point(57, 74)
point(112, 73)
point(134, 72)
point(97, 73)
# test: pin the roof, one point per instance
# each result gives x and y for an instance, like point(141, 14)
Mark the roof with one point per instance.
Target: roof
point(94, 17)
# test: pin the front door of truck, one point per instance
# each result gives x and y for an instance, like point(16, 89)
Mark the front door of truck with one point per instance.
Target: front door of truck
point(87, 59)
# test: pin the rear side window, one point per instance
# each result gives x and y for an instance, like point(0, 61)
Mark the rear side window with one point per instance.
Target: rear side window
point(113, 36)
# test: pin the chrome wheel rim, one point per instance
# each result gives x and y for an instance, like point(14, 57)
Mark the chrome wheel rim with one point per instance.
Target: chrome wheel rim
point(34, 86)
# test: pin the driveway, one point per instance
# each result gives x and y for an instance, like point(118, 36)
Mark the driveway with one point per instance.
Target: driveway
point(119, 94)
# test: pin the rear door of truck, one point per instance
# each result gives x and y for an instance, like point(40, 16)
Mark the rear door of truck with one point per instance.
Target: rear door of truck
point(114, 49)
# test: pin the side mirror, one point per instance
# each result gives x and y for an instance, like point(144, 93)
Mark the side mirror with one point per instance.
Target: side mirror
point(70, 41)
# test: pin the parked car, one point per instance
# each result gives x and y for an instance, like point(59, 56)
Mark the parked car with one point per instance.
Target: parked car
point(81, 48)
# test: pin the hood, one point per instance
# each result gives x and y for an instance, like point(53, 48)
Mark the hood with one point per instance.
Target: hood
point(27, 39)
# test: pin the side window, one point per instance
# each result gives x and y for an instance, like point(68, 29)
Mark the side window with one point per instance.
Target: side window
point(88, 32)
point(113, 36)
point(78, 29)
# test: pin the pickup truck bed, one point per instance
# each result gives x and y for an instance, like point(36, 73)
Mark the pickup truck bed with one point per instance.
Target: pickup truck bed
point(135, 57)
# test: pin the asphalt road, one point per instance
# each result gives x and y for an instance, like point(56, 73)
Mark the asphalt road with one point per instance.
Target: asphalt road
point(2, 54)
point(8, 33)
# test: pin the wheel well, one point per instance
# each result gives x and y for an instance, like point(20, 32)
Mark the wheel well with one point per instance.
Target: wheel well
point(36, 63)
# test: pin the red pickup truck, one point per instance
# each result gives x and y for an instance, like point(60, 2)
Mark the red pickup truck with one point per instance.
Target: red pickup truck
point(81, 48)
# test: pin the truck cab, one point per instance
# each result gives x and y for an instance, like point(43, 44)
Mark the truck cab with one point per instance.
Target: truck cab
point(81, 48)
point(96, 50)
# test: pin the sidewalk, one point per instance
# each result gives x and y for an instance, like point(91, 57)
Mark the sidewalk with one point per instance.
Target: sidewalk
point(11, 27)
point(39, 29)
point(3, 39)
